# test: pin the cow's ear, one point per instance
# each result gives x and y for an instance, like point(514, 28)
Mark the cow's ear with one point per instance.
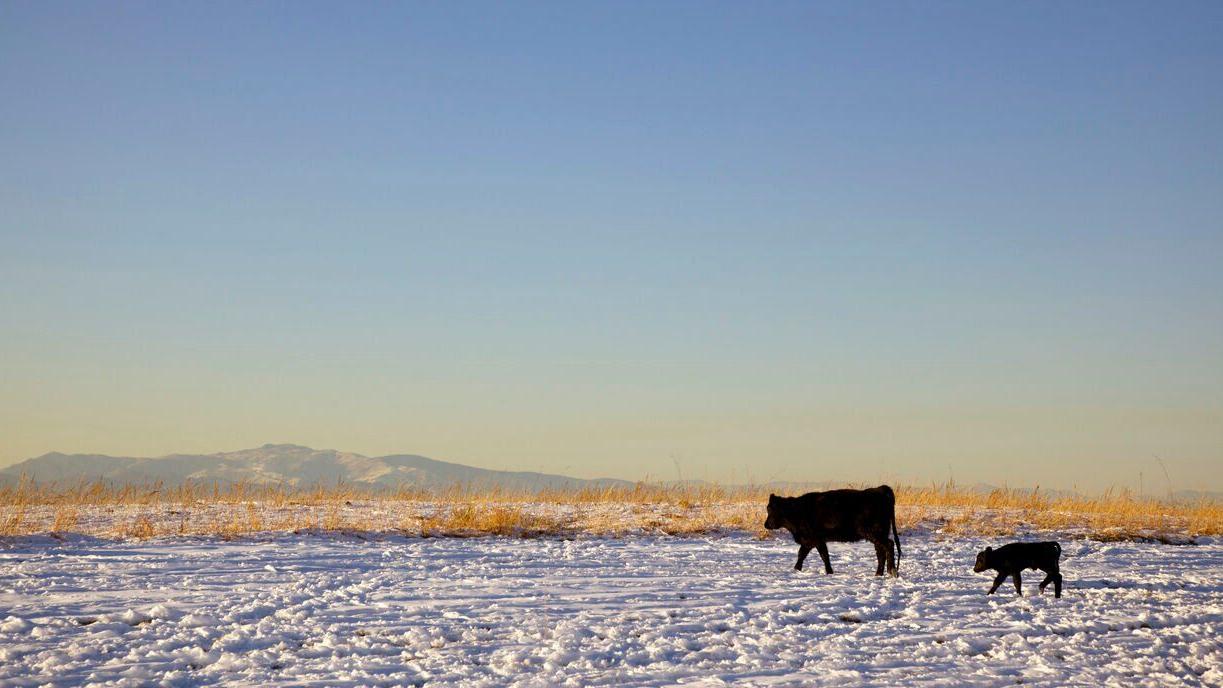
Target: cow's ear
point(989, 549)
point(772, 496)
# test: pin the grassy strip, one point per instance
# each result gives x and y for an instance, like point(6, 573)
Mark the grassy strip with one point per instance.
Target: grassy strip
point(237, 510)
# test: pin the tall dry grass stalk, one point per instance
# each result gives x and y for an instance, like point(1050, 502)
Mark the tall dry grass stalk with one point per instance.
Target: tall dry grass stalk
point(242, 509)
point(1112, 515)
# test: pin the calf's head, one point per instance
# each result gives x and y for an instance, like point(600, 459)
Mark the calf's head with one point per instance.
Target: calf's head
point(983, 560)
point(776, 518)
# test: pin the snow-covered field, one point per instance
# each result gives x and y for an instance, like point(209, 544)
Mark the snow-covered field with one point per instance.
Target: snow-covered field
point(334, 610)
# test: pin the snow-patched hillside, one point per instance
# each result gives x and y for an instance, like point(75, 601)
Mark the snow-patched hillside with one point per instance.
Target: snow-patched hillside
point(613, 612)
point(286, 464)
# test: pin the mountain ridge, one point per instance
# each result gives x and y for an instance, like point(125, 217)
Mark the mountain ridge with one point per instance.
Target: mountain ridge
point(295, 465)
point(287, 464)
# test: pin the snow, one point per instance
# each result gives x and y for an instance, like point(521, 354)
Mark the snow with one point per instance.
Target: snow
point(640, 610)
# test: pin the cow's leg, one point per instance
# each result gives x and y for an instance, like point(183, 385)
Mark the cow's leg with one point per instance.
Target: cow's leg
point(822, 548)
point(1048, 579)
point(997, 581)
point(891, 557)
point(881, 555)
point(1018, 584)
point(803, 550)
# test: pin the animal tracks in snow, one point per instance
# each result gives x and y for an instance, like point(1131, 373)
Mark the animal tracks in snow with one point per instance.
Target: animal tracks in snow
point(633, 611)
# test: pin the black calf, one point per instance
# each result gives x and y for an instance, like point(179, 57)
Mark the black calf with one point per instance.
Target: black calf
point(1009, 560)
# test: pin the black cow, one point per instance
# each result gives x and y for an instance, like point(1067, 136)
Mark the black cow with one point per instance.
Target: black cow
point(1009, 560)
point(818, 518)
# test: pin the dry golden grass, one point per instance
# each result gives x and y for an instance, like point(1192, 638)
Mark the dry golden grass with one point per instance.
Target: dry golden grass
point(238, 510)
point(1112, 516)
point(467, 520)
point(66, 517)
point(138, 528)
point(13, 521)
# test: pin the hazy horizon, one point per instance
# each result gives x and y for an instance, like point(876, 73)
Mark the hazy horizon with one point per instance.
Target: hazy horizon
point(1154, 484)
point(698, 240)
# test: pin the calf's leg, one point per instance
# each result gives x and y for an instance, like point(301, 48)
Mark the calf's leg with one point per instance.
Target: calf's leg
point(1018, 584)
point(892, 558)
point(822, 548)
point(997, 581)
point(803, 550)
point(1048, 579)
point(1055, 574)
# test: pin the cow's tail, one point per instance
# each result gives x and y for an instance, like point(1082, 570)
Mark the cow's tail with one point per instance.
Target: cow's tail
point(895, 535)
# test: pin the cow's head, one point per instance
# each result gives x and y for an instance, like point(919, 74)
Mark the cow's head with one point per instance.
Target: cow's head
point(983, 560)
point(776, 517)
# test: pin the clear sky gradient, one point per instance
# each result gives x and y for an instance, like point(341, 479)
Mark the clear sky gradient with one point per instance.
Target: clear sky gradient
point(739, 242)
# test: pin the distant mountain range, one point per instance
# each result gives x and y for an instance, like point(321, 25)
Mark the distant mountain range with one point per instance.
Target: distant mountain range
point(287, 464)
point(297, 466)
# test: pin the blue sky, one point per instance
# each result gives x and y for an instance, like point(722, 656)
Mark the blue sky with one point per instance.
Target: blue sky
point(844, 241)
